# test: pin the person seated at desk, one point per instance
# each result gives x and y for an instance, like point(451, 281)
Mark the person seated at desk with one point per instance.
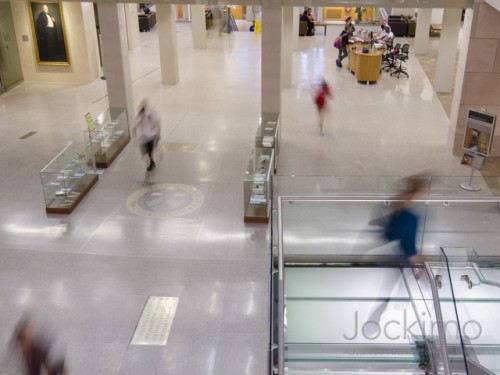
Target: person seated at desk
point(381, 32)
point(310, 24)
point(143, 10)
point(387, 37)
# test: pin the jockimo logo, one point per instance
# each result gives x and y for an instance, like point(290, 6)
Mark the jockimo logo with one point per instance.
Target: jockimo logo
point(402, 328)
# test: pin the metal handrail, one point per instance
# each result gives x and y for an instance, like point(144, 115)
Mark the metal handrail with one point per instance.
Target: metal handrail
point(385, 198)
point(439, 320)
point(481, 277)
point(281, 295)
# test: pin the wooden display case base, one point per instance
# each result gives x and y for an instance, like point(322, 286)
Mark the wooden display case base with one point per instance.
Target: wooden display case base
point(67, 208)
point(257, 214)
point(105, 159)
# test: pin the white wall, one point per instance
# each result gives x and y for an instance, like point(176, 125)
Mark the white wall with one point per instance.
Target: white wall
point(82, 45)
point(402, 11)
point(437, 16)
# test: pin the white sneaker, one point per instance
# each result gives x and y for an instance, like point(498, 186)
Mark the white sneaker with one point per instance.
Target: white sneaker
point(321, 132)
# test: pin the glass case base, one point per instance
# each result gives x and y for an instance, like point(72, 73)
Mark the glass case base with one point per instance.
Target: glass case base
point(74, 197)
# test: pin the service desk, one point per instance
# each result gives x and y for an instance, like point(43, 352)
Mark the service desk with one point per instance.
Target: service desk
point(365, 66)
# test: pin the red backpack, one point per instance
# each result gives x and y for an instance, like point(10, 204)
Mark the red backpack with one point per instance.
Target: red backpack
point(337, 43)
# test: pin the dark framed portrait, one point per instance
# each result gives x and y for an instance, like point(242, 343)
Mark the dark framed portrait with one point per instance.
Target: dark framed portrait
point(49, 34)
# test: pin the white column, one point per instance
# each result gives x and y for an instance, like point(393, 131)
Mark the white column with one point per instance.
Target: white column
point(185, 12)
point(271, 57)
point(167, 39)
point(422, 31)
point(459, 77)
point(446, 60)
point(132, 25)
point(287, 47)
point(319, 14)
point(115, 56)
point(295, 33)
point(198, 26)
point(249, 14)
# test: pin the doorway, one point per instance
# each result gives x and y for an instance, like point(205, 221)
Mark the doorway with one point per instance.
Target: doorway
point(10, 64)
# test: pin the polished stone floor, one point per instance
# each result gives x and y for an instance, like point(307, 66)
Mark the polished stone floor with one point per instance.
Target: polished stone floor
point(87, 275)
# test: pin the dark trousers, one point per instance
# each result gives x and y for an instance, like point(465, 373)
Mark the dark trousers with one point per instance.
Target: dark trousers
point(342, 53)
point(147, 148)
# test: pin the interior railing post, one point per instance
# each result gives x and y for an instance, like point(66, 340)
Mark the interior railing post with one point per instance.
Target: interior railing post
point(281, 294)
point(439, 320)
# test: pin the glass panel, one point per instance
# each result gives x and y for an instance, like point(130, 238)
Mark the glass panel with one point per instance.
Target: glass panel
point(360, 317)
point(355, 227)
point(476, 300)
point(378, 186)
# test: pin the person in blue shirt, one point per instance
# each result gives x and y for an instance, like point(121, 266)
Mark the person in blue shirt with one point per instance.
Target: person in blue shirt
point(402, 224)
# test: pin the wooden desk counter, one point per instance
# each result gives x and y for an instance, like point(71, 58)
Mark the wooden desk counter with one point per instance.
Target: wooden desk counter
point(366, 66)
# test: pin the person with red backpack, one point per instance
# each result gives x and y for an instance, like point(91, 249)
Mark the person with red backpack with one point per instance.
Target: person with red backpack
point(344, 35)
point(322, 94)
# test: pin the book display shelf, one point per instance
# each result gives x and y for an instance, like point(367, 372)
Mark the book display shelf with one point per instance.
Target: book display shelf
point(109, 136)
point(68, 178)
point(269, 134)
point(257, 186)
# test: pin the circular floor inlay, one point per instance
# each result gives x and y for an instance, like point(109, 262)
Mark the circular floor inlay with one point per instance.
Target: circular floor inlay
point(165, 200)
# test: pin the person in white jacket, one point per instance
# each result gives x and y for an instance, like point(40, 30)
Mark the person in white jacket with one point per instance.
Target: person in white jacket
point(147, 131)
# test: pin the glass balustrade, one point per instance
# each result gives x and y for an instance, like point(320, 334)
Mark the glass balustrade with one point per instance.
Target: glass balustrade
point(345, 303)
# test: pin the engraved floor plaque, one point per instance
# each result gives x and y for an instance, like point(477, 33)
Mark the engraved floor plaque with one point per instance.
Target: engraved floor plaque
point(156, 319)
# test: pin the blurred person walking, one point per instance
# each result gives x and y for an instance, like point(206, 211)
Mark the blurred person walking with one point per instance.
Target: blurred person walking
point(323, 93)
point(147, 131)
point(400, 224)
point(35, 350)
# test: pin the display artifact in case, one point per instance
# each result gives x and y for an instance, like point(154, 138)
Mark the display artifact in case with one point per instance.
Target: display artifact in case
point(109, 137)
point(67, 178)
point(257, 186)
point(269, 134)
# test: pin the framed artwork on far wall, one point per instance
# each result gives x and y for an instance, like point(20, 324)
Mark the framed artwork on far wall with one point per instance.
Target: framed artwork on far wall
point(49, 33)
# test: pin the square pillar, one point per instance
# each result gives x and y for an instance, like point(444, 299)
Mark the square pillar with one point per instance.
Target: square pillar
point(271, 58)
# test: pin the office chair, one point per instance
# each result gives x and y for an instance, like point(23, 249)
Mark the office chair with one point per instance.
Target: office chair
point(401, 57)
point(389, 60)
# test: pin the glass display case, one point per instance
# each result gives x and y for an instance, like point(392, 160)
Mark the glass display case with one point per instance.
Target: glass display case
point(257, 186)
point(109, 137)
point(269, 134)
point(68, 178)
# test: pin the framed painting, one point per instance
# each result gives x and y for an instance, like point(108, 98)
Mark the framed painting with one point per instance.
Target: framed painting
point(49, 34)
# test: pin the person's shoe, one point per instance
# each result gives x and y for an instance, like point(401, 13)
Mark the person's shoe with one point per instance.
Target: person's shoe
point(321, 132)
point(152, 166)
